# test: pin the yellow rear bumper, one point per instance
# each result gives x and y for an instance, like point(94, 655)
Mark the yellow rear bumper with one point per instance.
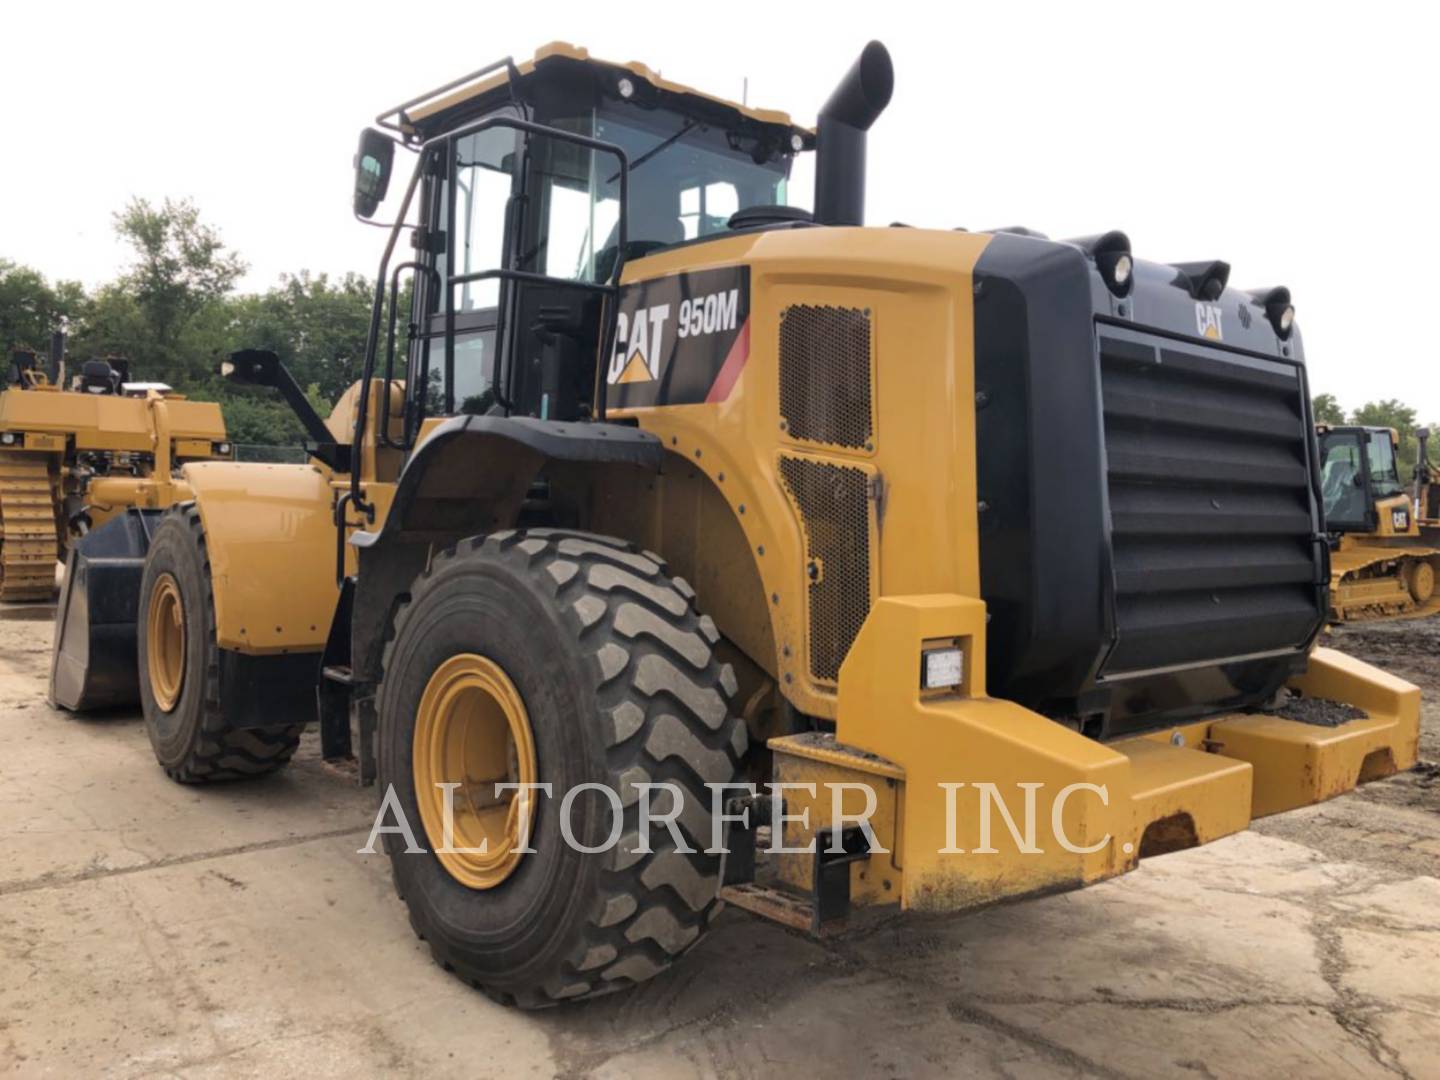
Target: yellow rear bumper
point(980, 799)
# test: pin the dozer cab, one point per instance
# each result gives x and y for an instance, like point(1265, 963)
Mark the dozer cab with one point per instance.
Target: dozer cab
point(73, 456)
point(1383, 562)
point(661, 488)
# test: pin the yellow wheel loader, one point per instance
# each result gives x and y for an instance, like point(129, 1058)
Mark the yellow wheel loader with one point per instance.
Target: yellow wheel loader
point(73, 457)
point(1384, 561)
point(999, 558)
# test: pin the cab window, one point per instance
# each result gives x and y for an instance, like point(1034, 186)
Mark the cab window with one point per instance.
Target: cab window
point(1384, 476)
point(1342, 480)
point(484, 182)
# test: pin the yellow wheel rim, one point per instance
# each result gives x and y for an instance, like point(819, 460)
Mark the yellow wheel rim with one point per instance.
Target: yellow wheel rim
point(1422, 582)
point(472, 731)
point(165, 642)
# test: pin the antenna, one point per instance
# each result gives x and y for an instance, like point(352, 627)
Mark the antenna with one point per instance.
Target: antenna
point(745, 91)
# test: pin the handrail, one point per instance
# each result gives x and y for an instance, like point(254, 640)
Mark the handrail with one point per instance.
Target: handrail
point(416, 268)
point(383, 120)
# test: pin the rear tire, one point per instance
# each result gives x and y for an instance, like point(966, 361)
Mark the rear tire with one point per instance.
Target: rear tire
point(191, 738)
point(621, 686)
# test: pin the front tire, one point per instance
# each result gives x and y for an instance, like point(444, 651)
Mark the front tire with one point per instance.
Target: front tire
point(618, 685)
point(180, 689)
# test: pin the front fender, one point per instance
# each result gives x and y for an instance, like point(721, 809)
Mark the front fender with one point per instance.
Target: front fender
point(270, 538)
point(471, 477)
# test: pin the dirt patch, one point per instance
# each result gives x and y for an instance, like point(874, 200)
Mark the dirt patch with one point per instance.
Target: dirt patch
point(1409, 648)
point(1319, 711)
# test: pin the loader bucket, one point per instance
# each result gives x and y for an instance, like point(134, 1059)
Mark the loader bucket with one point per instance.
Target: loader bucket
point(94, 665)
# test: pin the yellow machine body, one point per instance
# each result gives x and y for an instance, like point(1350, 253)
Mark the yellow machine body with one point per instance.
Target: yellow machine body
point(1111, 803)
point(51, 441)
point(109, 422)
point(721, 513)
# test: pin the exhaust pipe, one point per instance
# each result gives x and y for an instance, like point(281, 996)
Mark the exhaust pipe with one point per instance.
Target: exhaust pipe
point(57, 357)
point(840, 137)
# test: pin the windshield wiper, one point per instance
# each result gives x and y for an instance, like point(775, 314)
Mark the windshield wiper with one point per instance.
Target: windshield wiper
point(689, 124)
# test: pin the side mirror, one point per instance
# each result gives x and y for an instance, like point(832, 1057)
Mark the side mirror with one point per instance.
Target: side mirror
point(372, 171)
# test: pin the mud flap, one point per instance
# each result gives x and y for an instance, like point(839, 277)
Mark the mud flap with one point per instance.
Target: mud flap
point(93, 664)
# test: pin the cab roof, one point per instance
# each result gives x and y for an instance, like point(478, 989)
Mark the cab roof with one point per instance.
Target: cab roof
point(412, 117)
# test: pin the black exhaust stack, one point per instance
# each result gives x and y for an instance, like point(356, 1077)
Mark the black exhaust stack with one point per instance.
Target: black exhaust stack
point(57, 357)
point(840, 137)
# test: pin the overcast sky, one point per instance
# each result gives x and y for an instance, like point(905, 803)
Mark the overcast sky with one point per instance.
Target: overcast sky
point(1294, 141)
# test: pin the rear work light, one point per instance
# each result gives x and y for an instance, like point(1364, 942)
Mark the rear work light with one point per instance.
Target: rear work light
point(942, 668)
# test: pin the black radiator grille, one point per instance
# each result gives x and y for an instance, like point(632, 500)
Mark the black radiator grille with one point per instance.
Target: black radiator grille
point(1210, 503)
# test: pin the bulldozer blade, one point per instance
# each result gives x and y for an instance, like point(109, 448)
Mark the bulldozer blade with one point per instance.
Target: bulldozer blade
point(94, 664)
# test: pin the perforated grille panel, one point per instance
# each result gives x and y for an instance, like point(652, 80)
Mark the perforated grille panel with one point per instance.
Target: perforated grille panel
point(834, 505)
point(825, 375)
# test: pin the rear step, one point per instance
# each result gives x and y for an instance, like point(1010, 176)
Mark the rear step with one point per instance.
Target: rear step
point(1185, 797)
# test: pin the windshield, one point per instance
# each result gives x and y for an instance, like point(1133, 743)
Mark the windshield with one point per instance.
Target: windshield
point(1384, 476)
point(1341, 481)
point(686, 180)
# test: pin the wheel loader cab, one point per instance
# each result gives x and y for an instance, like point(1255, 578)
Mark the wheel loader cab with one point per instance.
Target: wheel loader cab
point(516, 281)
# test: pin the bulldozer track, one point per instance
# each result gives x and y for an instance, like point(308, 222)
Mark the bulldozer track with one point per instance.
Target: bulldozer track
point(1373, 583)
point(29, 543)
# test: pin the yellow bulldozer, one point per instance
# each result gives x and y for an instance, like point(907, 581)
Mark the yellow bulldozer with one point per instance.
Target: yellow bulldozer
point(999, 558)
point(72, 457)
point(1385, 550)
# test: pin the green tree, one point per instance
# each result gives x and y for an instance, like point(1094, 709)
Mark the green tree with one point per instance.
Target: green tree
point(1392, 414)
point(30, 307)
point(1327, 410)
point(174, 314)
point(315, 325)
point(253, 420)
point(182, 271)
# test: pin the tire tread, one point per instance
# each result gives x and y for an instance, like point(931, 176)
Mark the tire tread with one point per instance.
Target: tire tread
point(651, 908)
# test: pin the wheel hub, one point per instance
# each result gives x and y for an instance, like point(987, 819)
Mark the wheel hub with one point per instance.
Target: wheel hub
point(165, 641)
point(472, 732)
